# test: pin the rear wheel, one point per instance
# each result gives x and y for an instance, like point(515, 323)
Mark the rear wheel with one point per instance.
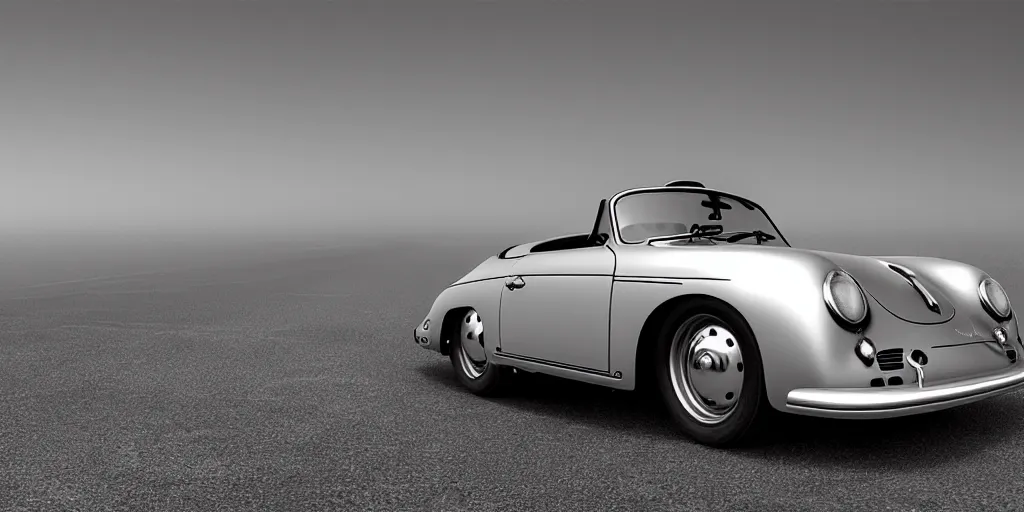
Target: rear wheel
point(709, 372)
point(469, 359)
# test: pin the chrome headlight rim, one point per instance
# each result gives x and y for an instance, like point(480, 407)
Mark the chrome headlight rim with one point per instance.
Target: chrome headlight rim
point(854, 325)
point(986, 301)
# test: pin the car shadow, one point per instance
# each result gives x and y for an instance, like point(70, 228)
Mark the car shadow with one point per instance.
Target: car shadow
point(570, 400)
point(895, 444)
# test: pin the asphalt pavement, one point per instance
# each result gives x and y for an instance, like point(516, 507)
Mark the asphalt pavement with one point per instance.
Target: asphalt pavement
point(289, 381)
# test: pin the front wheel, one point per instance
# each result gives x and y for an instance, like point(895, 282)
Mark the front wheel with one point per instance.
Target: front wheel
point(469, 359)
point(709, 372)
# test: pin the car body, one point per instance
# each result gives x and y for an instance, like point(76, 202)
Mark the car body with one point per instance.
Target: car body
point(831, 335)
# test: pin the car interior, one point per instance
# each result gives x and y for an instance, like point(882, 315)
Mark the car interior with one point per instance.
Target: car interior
point(642, 231)
point(645, 230)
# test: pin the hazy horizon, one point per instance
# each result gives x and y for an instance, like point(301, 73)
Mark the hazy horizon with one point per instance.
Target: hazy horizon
point(148, 135)
point(902, 117)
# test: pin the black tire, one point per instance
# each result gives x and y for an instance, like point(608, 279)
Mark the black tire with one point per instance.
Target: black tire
point(688, 321)
point(486, 379)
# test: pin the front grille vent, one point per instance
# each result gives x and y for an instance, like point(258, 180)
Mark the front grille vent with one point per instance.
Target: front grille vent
point(890, 360)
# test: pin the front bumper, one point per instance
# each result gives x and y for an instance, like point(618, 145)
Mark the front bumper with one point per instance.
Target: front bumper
point(891, 402)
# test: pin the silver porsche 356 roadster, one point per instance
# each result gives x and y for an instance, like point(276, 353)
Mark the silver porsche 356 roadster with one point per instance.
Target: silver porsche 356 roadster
point(696, 292)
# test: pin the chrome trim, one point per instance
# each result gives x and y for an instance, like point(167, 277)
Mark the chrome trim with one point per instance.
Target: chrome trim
point(918, 367)
point(463, 283)
point(987, 303)
point(911, 277)
point(870, 402)
point(676, 280)
point(597, 377)
point(514, 283)
point(672, 238)
point(700, 356)
point(830, 301)
point(472, 355)
point(951, 345)
point(650, 280)
point(867, 359)
point(553, 364)
point(615, 199)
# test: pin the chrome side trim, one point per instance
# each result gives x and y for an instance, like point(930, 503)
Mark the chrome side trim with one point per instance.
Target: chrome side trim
point(883, 402)
point(650, 280)
point(964, 344)
point(631, 277)
point(566, 372)
point(545, 362)
point(457, 283)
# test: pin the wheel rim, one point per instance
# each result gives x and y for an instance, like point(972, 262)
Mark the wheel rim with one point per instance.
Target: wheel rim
point(706, 367)
point(472, 356)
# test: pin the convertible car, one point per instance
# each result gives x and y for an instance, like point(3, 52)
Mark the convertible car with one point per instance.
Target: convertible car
point(696, 293)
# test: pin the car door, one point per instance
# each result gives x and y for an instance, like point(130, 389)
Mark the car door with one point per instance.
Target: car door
point(555, 308)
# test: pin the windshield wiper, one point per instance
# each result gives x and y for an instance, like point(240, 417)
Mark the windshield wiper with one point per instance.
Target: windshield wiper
point(709, 231)
point(759, 236)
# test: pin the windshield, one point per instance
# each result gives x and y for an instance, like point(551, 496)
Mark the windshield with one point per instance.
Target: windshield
point(645, 215)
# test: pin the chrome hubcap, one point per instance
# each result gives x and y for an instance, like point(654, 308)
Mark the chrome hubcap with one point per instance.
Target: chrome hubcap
point(472, 357)
point(706, 367)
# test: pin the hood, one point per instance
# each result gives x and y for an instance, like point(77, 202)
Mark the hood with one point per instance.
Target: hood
point(902, 289)
point(912, 297)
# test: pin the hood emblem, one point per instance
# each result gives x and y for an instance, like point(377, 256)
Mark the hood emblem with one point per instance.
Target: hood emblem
point(973, 334)
point(911, 278)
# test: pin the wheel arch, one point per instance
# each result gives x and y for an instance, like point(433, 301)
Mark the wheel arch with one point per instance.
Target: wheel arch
point(449, 326)
point(484, 296)
point(648, 338)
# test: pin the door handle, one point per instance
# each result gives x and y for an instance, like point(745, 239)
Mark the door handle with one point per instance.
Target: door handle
point(514, 283)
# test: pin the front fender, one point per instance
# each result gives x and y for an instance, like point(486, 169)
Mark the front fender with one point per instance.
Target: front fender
point(778, 292)
point(482, 295)
point(479, 289)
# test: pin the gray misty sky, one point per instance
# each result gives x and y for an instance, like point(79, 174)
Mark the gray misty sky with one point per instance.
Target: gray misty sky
point(429, 115)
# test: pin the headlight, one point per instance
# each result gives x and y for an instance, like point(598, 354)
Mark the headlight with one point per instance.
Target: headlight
point(845, 299)
point(994, 299)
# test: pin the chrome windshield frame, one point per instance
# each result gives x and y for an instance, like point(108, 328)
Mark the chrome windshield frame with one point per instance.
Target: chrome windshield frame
point(613, 203)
